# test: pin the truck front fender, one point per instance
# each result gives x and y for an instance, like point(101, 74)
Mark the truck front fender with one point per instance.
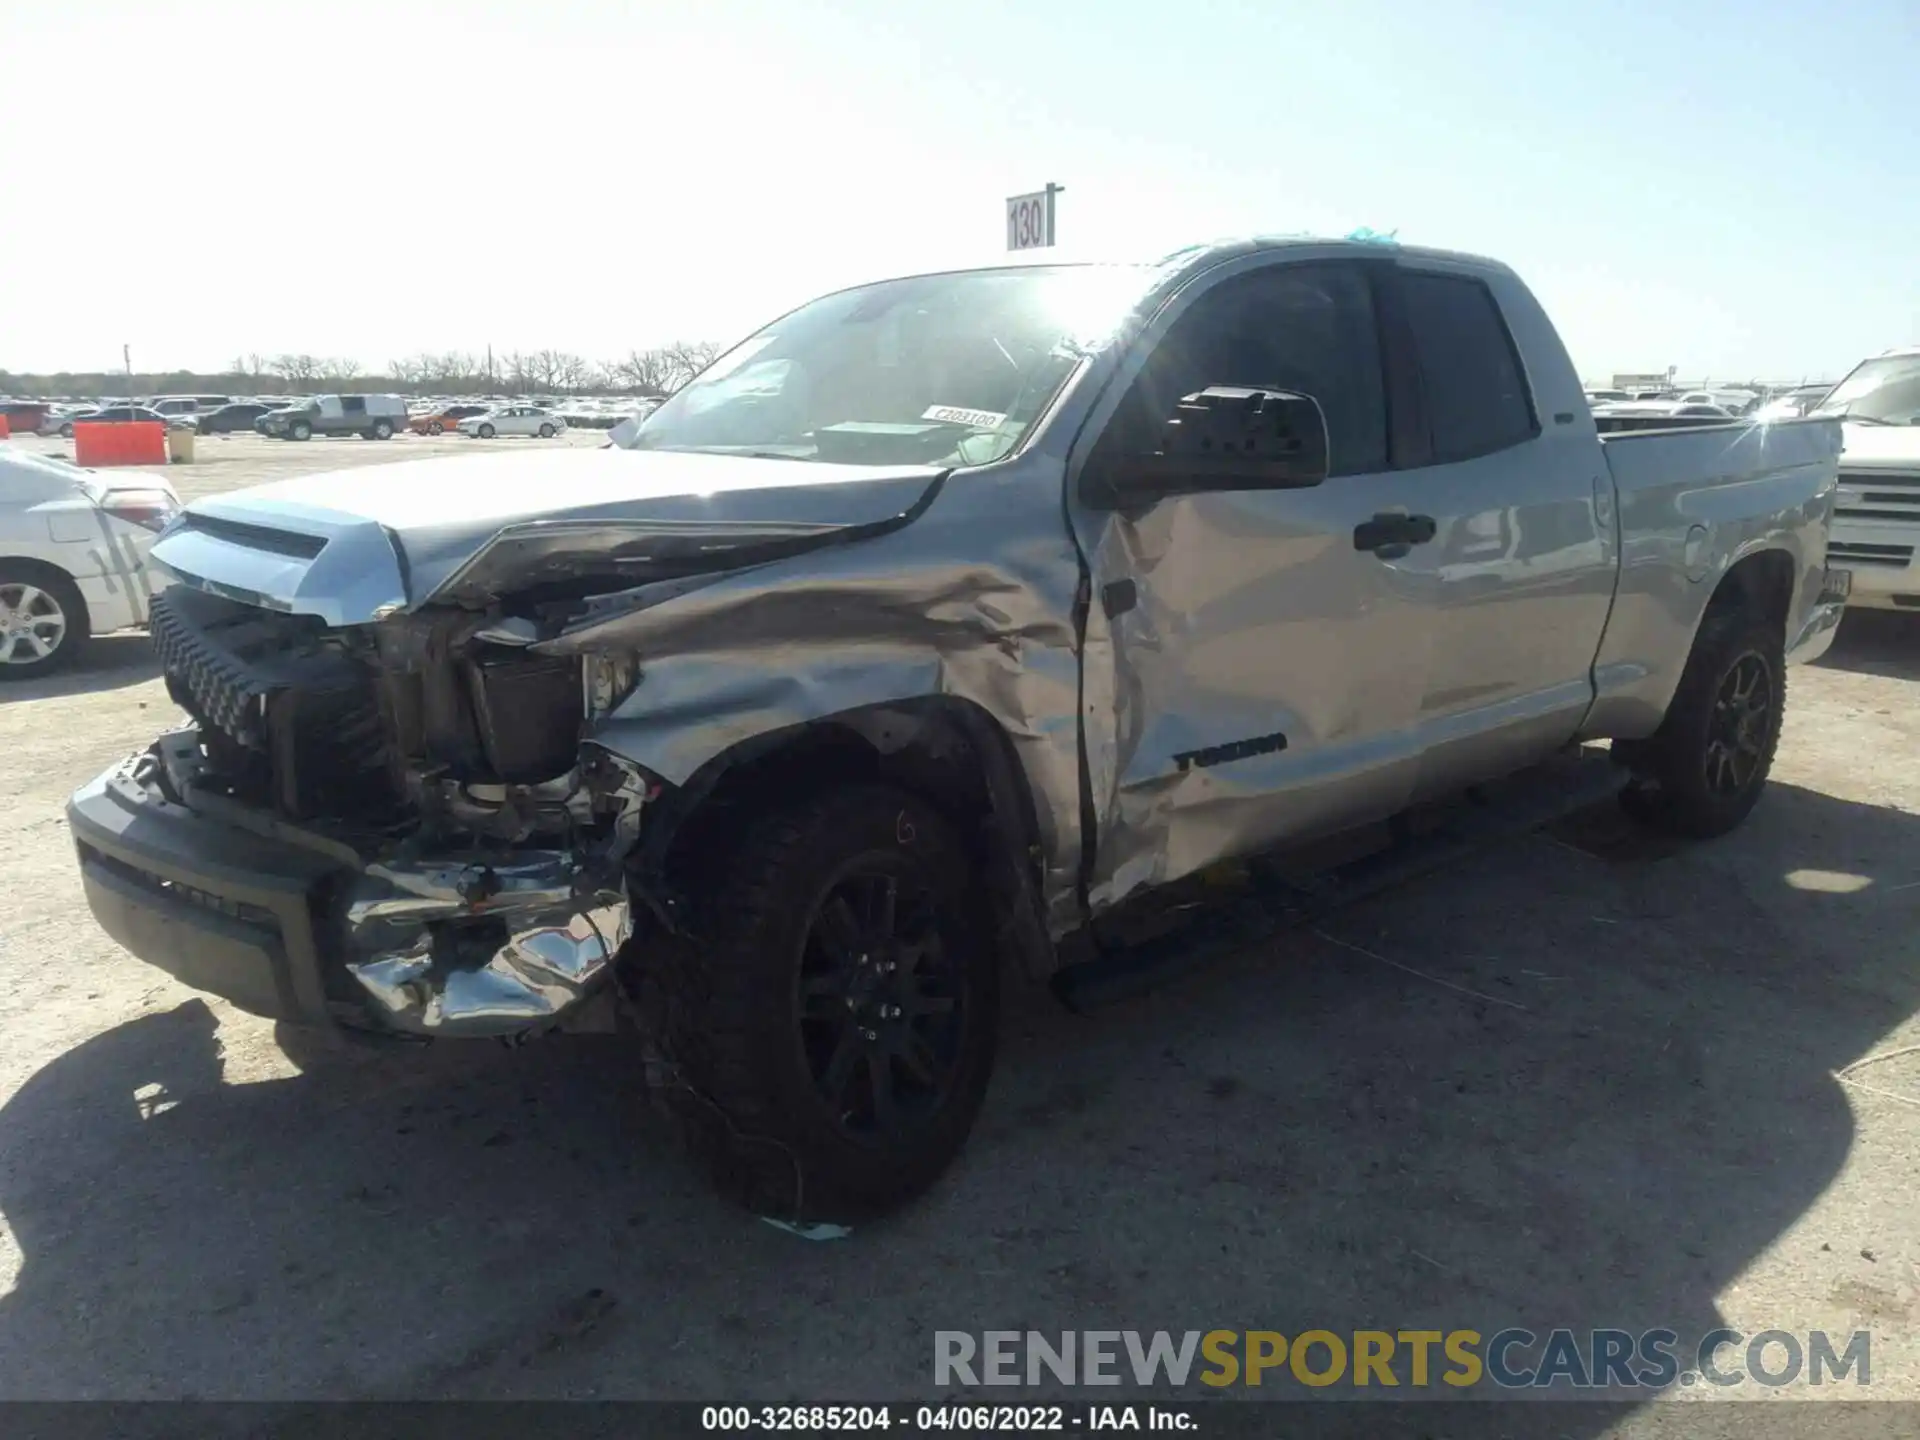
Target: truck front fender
point(843, 637)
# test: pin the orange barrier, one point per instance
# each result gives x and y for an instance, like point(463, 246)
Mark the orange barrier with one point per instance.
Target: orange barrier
point(6, 430)
point(137, 442)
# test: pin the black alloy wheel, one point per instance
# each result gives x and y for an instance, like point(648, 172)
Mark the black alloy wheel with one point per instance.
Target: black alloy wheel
point(878, 1001)
point(1737, 732)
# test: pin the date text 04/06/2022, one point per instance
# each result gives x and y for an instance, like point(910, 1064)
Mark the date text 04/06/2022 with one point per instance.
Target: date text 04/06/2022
point(977, 1419)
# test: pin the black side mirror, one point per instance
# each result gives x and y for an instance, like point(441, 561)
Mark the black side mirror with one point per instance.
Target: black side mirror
point(1226, 437)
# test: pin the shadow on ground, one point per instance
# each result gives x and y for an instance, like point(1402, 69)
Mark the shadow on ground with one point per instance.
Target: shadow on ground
point(109, 663)
point(1877, 642)
point(1303, 1138)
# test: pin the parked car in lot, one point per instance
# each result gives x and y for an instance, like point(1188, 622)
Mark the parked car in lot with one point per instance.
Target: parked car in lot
point(946, 621)
point(513, 420)
point(121, 415)
point(444, 418)
point(1791, 404)
point(1657, 415)
point(73, 557)
point(239, 415)
point(187, 407)
point(54, 420)
point(373, 417)
point(1876, 517)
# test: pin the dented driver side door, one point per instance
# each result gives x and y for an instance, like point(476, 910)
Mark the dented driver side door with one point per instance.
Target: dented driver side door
point(1252, 675)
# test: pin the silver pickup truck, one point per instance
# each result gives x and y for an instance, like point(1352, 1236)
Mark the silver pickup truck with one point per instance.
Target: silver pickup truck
point(935, 625)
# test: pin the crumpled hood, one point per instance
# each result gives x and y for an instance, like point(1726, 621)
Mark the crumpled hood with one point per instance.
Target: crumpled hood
point(349, 545)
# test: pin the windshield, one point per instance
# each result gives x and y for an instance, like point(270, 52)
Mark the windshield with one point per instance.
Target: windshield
point(938, 370)
point(1879, 392)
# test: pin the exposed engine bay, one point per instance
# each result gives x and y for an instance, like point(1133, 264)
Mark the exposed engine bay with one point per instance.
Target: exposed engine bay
point(439, 722)
point(447, 758)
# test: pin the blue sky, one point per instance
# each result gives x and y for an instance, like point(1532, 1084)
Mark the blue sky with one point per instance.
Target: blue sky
point(1728, 188)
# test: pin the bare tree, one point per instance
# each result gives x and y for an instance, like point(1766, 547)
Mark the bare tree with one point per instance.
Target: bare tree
point(340, 372)
point(296, 369)
point(517, 370)
point(559, 370)
point(690, 357)
point(647, 372)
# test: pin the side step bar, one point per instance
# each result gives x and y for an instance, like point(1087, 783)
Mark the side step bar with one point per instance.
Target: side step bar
point(1274, 902)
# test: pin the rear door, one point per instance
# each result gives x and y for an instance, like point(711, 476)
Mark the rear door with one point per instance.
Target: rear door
point(1260, 675)
point(1521, 570)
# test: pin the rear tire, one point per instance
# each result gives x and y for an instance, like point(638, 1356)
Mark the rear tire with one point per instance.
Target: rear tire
point(382, 430)
point(829, 1043)
point(546, 432)
point(1703, 771)
point(55, 620)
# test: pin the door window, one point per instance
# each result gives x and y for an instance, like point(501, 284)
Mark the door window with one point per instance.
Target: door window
point(353, 404)
point(1477, 396)
point(1308, 328)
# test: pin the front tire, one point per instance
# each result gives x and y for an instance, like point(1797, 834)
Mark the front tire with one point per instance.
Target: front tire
point(302, 432)
point(829, 1044)
point(43, 622)
point(436, 428)
point(486, 432)
point(1703, 771)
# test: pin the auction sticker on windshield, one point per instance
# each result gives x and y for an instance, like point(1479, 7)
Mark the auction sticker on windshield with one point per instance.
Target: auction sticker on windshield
point(954, 415)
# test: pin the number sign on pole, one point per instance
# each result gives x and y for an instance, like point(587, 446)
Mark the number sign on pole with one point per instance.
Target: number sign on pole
point(1030, 219)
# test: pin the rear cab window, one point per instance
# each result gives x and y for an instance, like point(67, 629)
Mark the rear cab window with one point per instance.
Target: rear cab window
point(1477, 397)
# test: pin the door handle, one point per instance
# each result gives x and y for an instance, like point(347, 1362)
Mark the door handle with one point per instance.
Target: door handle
point(1391, 536)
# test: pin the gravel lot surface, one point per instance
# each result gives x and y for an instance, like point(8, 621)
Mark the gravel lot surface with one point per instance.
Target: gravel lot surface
point(1650, 1131)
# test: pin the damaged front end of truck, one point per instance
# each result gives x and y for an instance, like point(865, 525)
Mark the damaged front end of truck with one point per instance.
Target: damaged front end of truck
point(419, 816)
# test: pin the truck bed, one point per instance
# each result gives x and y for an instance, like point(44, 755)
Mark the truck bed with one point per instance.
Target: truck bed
point(1690, 503)
point(1690, 456)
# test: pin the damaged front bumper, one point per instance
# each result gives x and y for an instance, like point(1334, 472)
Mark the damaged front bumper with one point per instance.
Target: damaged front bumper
point(297, 926)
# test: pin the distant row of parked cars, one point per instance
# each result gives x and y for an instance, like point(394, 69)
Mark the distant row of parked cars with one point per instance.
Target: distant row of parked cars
point(373, 417)
point(1710, 404)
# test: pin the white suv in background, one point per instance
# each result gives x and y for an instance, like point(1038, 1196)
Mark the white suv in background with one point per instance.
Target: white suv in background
point(1876, 514)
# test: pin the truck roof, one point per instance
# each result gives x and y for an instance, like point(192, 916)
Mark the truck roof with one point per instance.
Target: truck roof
point(1204, 255)
point(1348, 243)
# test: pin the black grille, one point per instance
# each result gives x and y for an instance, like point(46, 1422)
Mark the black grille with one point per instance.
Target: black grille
point(1895, 555)
point(212, 652)
point(288, 717)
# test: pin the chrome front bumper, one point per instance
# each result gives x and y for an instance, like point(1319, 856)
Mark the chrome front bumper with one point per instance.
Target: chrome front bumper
point(298, 927)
